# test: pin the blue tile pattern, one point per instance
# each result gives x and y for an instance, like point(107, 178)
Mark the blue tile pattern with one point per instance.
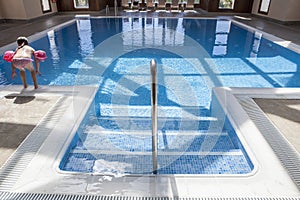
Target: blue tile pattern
point(115, 136)
point(201, 153)
point(166, 143)
point(142, 164)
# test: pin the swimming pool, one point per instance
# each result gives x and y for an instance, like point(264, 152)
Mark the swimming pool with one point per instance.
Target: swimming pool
point(221, 54)
point(232, 52)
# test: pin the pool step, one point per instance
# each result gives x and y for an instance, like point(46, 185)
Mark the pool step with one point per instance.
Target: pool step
point(164, 118)
point(235, 152)
point(138, 118)
point(143, 143)
point(164, 124)
point(101, 131)
point(117, 163)
point(123, 144)
point(142, 111)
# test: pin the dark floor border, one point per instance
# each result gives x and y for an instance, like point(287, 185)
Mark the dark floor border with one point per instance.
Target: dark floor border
point(277, 21)
point(22, 21)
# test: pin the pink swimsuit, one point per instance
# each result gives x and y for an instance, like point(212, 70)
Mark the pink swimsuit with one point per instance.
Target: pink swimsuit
point(20, 63)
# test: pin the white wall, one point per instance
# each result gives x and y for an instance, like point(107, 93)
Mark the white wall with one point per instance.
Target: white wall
point(23, 9)
point(293, 11)
point(13, 9)
point(282, 10)
point(33, 8)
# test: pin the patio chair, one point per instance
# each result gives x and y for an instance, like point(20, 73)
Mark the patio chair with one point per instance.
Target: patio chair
point(161, 4)
point(168, 5)
point(142, 5)
point(175, 5)
point(135, 4)
point(190, 4)
point(126, 3)
point(182, 5)
point(150, 5)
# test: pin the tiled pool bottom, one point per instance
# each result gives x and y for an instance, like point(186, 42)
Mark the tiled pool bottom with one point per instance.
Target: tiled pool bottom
point(142, 164)
point(116, 153)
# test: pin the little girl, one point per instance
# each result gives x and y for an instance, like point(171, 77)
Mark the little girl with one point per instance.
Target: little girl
point(22, 59)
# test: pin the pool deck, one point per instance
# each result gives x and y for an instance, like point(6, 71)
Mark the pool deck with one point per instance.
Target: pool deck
point(23, 112)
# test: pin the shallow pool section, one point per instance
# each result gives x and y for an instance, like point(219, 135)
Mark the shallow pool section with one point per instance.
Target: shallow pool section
point(105, 148)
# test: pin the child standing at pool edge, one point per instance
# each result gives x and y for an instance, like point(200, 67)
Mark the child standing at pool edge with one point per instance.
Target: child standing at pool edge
point(22, 59)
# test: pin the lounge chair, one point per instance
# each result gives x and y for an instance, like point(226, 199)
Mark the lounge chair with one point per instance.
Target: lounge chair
point(142, 5)
point(190, 4)
point(135, 4)
point(126, 3)
point(183, 5)
point(161, 4)
point(168, 4)
point(180, 5)
point(150, 5)
point(175, 5)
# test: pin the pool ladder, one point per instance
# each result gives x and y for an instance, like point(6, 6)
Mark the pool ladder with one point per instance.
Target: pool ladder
point(153, 70)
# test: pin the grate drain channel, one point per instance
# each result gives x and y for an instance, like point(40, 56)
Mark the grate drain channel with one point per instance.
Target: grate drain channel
point(37, 196)
point(285, 153)
point(17, 163)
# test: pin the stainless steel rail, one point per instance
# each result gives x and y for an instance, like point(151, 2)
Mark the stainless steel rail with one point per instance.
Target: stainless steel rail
point(153, 71)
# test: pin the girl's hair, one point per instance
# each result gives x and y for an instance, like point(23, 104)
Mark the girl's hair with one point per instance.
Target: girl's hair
point(22, 40)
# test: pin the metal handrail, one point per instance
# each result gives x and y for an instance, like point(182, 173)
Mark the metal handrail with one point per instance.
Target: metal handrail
point(153, 71)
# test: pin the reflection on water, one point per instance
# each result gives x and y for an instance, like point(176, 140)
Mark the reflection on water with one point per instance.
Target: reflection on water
point(53, 47)
point(221, 38)
point(156, 32)
point(85, 36)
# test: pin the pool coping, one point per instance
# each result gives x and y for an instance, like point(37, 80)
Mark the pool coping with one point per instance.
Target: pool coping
point(71, 104)
point(240, 105)
point(40, 175)
point(286, 153)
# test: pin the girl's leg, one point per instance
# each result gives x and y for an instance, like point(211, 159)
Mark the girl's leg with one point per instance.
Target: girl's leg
point(23, 77)
point(30, 67)
point(33, 75)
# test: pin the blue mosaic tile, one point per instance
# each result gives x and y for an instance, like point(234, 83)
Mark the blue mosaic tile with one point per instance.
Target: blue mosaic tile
point(168, 143)
point(142, 164)
point(235, 161)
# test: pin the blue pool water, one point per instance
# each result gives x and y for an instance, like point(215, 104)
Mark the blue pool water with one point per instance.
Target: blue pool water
point(193, 55)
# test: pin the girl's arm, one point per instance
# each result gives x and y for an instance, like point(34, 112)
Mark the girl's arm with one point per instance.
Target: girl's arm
point(37, 63)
